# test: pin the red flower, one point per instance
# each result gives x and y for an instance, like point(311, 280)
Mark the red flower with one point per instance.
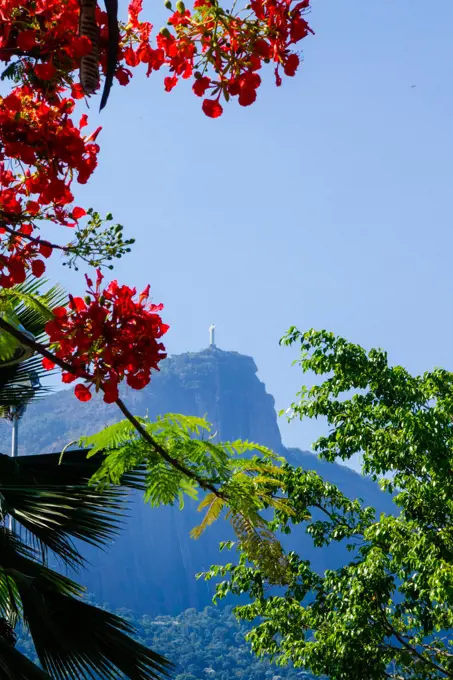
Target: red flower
point(17, 270)
point(26, 229)
point(38, 268)
point(48, 364)
point(45, 249)
point(291, 65)
point(77, 91)
point(33, 207)
point(138, 380)
point(111, 393)
point(262, 48)
point(170, 83)
point(77, 213)
point(77, 303)
point(201, 85)
point(45, 71)
point(123, 75)
point(212, 108)
point(26, 40)
point(82, 392)
point(247, 96)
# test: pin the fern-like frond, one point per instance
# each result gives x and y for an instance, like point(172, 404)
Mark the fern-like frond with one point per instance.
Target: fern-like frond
point(258, 465)
point(189, 424)
point(261, 546)
point(32, 301)
point(112, 437)
point(215, 506)
point(163, 484)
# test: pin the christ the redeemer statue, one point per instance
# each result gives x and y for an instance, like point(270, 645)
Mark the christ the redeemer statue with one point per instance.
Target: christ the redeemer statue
point(212, 335)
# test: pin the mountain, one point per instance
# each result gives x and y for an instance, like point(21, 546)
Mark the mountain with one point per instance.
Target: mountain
point(150, 567)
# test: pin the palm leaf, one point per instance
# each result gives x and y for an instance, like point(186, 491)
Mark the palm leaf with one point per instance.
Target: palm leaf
point(72, 638)
point(16, 666)
point(32, 309)
point(55, 503)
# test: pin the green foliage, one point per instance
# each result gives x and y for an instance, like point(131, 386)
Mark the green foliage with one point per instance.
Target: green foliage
point(180, 437)
point(242, 487)
point(97, 244)
point(388, 612)
point(207, 645)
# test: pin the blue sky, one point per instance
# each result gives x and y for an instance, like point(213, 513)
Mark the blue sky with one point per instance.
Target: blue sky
point(326, 204)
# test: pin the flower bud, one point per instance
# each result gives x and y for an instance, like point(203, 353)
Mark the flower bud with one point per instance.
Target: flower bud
point(167, 4)
point(164, 31)
point(180, 6)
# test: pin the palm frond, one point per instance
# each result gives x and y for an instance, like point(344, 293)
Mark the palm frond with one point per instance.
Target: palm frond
point(15, 386)
point(55, 503)
point(32, 306)
point(16, 666)
point(26, 305)
point(72, 638)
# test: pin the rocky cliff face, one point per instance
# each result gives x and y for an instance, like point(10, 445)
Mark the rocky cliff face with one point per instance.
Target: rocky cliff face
point(151, 566)
point(220, 385)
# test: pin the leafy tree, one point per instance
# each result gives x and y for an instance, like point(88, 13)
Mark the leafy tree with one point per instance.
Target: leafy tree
point(388, 612)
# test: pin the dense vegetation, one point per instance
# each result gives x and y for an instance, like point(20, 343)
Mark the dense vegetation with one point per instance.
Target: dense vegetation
point(203, 645)
point(388, 612)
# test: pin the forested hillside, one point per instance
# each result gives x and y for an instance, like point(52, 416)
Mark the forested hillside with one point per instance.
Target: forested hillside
point(207, 645)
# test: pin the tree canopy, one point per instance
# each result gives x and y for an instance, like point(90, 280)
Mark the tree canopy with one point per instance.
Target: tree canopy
point(388, 612)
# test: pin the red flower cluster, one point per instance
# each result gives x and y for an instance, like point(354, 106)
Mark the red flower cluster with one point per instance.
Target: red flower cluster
point(232, 47)
point(44, 36)
point(107, 337)
point(43, 150)
point(223, 49)
point(35, 133)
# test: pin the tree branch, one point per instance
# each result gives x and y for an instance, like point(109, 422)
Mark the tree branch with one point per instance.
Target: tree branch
point(33, 239)
point(411, 649)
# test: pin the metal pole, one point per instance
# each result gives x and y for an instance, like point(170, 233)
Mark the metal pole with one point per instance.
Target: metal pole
point(14, 449)
point(14, 439)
